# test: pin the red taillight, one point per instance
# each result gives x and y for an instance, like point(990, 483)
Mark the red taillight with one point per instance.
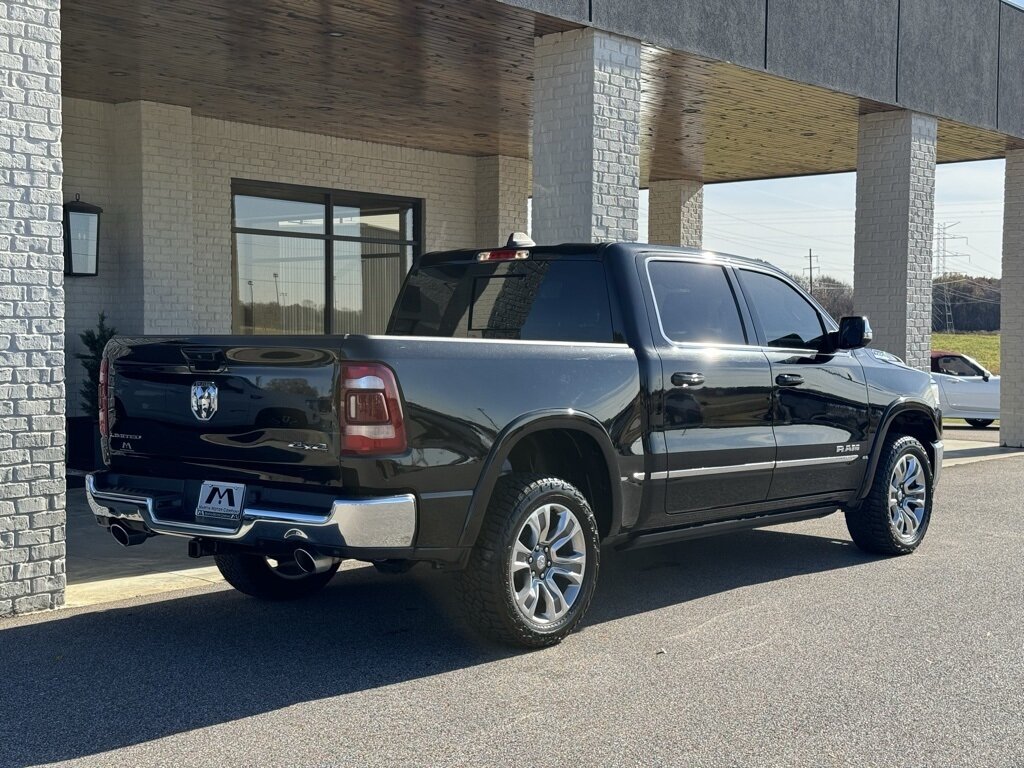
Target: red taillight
point(103, 397)
point(503, 254)
point(370, 410)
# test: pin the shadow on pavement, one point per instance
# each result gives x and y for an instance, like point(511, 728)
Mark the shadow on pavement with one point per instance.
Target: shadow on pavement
point(78, 685)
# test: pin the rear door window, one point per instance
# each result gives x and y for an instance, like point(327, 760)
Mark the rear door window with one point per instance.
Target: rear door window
point(531, 300)
point(695, 303)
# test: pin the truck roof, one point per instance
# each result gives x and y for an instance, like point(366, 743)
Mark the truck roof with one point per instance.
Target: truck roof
point(601, 251)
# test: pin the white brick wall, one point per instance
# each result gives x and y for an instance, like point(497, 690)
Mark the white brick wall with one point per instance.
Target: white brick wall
point(503, 192)
point(88, 150)
point(586, 129)
point(1011, 407)
point(157, 145)
point(676, 213)
point(894, 226)
point(31, 309)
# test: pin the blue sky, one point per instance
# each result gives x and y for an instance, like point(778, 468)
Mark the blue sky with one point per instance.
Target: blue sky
point(779, 220)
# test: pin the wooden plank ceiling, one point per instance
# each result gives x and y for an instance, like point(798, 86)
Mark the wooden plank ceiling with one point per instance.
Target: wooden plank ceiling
point(448, 75)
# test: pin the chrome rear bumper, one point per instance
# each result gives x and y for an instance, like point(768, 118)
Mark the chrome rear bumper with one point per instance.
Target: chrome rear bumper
point(387, 522)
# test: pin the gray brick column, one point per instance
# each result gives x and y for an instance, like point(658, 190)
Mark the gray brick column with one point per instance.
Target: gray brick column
point(1011, 321)
point(892, 265)
point(502, 193)
point(31, 309)
point(586, 129)
point(153, 175)
point(676, 213)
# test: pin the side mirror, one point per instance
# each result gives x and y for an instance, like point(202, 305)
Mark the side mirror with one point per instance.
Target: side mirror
point(854, 332)
point(986, 376)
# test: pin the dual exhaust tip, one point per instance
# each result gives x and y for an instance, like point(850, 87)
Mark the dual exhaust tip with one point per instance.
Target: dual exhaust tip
point(127, 537)
point(307, 561)
point(313, 562)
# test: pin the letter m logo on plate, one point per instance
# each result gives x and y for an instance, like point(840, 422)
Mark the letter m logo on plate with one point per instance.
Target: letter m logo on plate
point(220, 500)
point(220, 496)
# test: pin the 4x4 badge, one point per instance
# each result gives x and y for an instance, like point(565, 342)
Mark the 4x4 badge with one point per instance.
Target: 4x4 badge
point(204, 400)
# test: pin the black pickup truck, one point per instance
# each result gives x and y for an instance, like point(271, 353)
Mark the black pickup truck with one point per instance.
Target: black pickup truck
point(528, 406)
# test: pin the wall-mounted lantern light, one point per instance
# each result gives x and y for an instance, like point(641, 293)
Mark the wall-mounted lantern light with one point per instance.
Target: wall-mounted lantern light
point(81, 237)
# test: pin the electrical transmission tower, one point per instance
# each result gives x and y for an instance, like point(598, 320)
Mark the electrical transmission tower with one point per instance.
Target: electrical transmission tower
point(942, 254)
point(941, 243)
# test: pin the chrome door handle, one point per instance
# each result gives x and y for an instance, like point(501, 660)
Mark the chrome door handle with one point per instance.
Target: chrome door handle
point(789, 379)
point(687, 379)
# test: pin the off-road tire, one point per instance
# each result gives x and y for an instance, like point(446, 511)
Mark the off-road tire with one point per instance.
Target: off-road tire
point(485, 585)
point(980, 423)
point(252, 575)
point(870, 525)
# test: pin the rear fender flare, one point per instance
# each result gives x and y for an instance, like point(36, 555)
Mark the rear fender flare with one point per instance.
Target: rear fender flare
point(897, 408)
point(540, 421)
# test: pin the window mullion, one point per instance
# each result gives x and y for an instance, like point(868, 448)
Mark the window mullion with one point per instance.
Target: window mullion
point(329, 267)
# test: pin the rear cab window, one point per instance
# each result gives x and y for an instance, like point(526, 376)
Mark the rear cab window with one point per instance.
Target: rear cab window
point(535, 299)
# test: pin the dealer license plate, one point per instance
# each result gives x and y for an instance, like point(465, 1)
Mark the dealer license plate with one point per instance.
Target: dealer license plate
point(220, 501)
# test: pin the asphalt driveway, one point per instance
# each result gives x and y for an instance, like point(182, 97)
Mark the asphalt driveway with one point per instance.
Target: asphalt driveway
point(777, 647)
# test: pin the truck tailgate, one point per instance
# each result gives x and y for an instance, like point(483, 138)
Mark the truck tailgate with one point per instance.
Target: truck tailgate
point(236, 403)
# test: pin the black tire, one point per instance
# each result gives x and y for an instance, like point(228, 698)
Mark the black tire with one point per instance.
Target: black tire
point(980, 423)
point(252, 575)
point(486, 585)
point(870, 525)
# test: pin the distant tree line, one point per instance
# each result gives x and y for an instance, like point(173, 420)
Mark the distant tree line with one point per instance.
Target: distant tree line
point(973, 301)
point(833, 294)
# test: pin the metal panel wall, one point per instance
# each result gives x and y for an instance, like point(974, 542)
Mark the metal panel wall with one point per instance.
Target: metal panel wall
point(571, 10)
point(948, 58)
point(848, 47)
point(728, 31)
point(1011, 70)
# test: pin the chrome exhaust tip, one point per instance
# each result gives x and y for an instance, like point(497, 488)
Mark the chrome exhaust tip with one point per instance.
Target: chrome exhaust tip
point(127, 537)
point(312, 562)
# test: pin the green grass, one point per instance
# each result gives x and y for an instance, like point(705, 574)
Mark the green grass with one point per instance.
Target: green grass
point(983, 347)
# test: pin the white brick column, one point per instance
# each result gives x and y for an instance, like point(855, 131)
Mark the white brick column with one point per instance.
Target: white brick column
point(676, 213)
point(31, 309)
point(1011, 321)
point(153, 195)
point(502, 194)
point(892, 265)
point(586, 130)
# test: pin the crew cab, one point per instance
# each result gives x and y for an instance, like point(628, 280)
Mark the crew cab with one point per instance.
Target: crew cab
point(529, 408)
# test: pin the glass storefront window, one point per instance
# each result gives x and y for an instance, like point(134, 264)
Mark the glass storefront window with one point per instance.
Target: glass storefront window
point(280, 285)
point(292, 260)
point(280, 215)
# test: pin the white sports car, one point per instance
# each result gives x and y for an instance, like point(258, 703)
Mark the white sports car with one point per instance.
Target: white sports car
point(968, 391)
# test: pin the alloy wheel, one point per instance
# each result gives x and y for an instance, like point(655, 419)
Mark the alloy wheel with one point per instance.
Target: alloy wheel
point(548, 564)
point(908, 497)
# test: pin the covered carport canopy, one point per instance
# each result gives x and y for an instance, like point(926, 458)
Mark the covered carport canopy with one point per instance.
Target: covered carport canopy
point(458, 77)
